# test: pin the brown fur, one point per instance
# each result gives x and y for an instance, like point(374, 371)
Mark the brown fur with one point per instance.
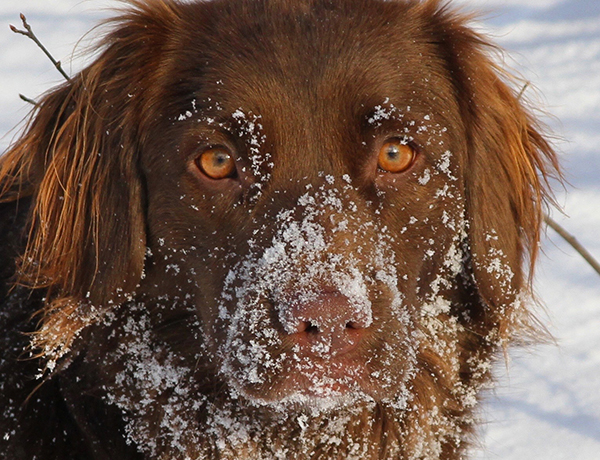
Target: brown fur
point(120, 252)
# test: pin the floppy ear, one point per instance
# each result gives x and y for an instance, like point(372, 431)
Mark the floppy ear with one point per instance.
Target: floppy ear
point(78, 160)
point(506, 170)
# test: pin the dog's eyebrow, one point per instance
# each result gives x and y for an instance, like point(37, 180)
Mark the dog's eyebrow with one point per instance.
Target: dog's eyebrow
point(236, 121)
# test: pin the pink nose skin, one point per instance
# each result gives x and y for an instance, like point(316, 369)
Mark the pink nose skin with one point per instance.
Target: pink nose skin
point(327, 326)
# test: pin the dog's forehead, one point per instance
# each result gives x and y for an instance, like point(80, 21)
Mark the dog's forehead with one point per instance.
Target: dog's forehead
point(314, 50)
point(314, 71)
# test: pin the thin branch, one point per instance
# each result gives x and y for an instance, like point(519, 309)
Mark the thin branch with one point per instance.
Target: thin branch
point(573, 242)
point(29, 33)
point(26, 99)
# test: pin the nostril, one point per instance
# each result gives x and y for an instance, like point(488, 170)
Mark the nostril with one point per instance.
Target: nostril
point(307, 327)
point(311, 328)
point(359, 324)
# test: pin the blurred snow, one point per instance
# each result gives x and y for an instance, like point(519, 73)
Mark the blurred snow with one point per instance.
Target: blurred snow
point(547, 403)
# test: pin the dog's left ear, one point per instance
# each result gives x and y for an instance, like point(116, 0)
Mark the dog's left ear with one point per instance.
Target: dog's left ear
point(507, 164)
point(78, 164)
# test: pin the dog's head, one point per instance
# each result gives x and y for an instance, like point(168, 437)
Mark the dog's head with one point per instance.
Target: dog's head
point(347, 193)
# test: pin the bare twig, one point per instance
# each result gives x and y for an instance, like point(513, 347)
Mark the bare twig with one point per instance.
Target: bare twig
point(29, 33)
point(26, 99)
point(573, 242)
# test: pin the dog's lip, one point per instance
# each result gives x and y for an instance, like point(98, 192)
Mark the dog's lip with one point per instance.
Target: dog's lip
point(325, 379)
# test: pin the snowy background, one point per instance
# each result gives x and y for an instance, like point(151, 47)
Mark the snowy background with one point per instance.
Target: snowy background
point(546, 405)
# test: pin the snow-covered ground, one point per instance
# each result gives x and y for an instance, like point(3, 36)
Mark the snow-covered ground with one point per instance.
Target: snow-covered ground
point(547, 404)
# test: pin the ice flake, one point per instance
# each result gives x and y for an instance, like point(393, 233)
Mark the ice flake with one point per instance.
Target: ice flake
point(424, 179)
point(444, 165)
point(185, 116)
point(437, 307)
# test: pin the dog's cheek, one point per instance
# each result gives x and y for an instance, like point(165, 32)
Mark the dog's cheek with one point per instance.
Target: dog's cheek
point(430, 233)
point(427, 229)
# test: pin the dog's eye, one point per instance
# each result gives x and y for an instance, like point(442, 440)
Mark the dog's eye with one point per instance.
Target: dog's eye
point(217, 163)
point(396, 156)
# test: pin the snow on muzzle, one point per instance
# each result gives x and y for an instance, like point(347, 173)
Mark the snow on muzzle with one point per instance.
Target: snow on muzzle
point(317, 315)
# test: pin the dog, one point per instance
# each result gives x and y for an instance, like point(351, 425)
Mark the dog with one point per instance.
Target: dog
point(268, 229)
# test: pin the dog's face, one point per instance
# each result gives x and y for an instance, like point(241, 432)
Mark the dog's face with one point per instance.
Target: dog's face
point(309, 193)
point(320, 212)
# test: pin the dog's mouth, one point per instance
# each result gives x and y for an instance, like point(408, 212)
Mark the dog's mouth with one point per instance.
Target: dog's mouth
point(311, 383)
point(320, 367)
point(326, 348)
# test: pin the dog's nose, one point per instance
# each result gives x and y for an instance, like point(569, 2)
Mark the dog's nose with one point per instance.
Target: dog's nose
point(328, 325)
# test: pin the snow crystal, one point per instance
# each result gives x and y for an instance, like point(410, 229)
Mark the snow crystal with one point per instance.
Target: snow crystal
point(185, 116)
point(443, 165)
point(424, 179)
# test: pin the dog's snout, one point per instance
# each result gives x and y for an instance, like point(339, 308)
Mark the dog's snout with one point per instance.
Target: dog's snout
point(327, 325)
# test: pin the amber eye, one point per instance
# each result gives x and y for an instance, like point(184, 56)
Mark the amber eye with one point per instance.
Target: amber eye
point(217, 163)
point(396, 156)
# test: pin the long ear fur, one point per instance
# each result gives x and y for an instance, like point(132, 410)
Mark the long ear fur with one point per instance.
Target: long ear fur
point(507, 167)
point(78, 160)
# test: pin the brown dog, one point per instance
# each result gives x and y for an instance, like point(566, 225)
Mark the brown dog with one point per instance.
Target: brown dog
point(267, 229)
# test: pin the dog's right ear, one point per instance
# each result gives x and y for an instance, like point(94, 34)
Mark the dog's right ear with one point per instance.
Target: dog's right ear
point(78, 160)
point(508, 165)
